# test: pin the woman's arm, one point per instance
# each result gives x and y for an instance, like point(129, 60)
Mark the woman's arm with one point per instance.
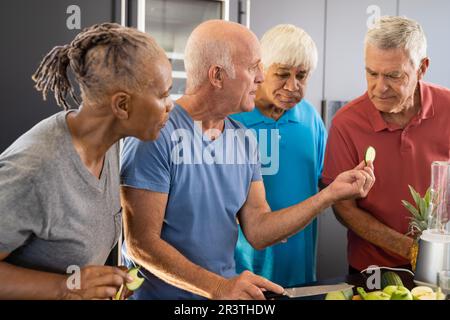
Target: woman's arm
point(96, 282)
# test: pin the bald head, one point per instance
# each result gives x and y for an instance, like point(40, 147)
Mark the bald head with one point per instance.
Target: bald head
point(215, 43)
point(221, 30)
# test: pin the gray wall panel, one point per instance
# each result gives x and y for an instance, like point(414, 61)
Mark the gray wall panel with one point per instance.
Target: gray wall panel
point(346, 27)
point(29, 29)
point(433, 15)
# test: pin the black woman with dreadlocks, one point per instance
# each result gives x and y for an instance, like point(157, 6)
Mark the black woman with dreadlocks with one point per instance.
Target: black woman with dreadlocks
point(59, 182)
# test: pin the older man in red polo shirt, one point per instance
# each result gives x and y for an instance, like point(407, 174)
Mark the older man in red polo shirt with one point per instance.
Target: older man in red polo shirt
point(408, 123)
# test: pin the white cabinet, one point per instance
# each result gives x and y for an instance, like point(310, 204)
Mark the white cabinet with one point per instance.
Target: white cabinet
point(171, 22)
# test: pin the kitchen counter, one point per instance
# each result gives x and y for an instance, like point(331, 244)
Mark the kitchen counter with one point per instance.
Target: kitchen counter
point(358, 280)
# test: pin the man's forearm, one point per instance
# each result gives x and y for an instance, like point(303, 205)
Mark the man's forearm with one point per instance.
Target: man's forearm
point(168, 264)
point(278, 225)
point(18, 283)
point(372, 230)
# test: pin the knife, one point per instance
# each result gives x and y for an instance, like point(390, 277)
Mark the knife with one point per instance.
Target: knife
point(298, 292)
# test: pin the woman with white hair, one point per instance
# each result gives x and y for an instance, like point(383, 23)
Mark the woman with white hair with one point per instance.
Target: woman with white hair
point(289, 56)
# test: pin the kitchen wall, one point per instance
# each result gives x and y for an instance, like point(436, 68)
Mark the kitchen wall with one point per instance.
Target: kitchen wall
point(338, 28)
point(29, 29)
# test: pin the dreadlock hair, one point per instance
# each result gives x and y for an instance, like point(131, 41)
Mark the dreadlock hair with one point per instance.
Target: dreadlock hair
point(100, 57)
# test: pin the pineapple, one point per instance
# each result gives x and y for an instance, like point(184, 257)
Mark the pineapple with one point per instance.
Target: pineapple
point(418, 220)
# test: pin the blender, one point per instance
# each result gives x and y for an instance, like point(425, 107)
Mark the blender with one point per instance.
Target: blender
point(434, 244)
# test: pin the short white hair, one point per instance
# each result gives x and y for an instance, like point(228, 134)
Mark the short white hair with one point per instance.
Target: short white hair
point(288, 45)
point(393, 32)
point(201, 53)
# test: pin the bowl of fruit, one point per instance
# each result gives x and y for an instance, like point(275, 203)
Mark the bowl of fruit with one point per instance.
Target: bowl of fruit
point(392, 288)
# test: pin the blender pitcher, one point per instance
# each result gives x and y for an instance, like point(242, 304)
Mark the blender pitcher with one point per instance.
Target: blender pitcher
point(434, 244)
point(438, 221)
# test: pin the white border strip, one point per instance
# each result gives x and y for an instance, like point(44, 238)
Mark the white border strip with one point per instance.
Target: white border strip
point(175, 55)
point(123, 6)
point(226, 10)
point(141, 15)
point(247, 14)
point(179, 74)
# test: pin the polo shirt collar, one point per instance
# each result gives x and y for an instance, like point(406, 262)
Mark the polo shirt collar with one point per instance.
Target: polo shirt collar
point(426, 112)
point(293, 115)
point(256, 117)
point(374, 116)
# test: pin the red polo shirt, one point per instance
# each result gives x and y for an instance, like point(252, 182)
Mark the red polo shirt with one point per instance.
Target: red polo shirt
point(404, 156)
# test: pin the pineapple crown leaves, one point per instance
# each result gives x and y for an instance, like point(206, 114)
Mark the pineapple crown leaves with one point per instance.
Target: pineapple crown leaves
point(419, 219)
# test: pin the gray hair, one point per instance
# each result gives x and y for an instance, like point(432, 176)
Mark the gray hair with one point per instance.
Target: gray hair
point(392, 32)
point(288, 45)
point(201, 53)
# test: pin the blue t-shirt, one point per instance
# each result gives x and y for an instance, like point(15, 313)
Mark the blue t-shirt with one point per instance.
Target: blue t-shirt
point(205, 187)
point(289, 178)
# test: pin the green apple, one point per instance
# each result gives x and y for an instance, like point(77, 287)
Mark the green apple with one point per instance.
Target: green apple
point(374, 295)
point(335, 295)
point(348, 294)
point(401, 293)
point(340, 295)
point(377, 295)
point(132, 286)
point(390, 289)
point(398, 292)
point(137, 282)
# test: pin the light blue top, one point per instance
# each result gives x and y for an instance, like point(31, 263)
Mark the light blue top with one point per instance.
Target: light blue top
point(204, 197)
point(301, 152)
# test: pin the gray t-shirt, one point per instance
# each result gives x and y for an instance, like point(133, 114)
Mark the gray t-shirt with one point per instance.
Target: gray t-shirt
point(53, 212)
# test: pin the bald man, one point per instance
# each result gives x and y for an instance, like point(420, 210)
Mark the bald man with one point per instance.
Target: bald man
point(184, 193)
